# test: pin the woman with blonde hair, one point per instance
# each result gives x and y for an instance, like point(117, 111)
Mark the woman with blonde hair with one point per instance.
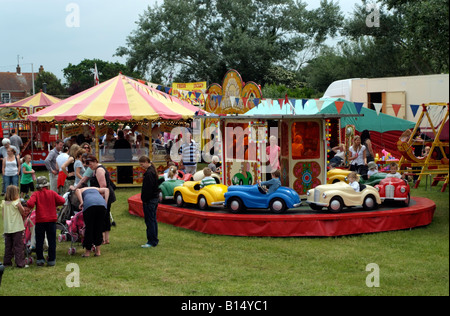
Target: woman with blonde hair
point(11, 168)
point(13, 228)
point(357, 155)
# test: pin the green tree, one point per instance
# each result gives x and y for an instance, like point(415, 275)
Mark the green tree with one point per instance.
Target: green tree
point(54, 86)
point(412, 39)
point(203, 39)
point(415, 33)
point(81, 77)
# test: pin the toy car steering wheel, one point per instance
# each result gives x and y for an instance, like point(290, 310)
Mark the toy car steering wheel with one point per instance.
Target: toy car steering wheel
point(261, 190)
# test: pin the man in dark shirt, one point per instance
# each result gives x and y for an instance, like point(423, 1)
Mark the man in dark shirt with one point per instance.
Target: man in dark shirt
point(122, 148)
point(149, 197)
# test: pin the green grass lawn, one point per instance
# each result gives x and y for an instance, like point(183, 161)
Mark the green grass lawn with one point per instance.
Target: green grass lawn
point(187, 263)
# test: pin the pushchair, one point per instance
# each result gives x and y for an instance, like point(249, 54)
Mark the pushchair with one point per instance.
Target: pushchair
point(29, 239)
point(70, 221)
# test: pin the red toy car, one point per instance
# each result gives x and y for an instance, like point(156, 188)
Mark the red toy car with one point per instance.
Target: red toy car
point(394, 189)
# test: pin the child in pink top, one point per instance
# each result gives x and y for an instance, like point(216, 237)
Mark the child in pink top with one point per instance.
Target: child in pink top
point(273, 153)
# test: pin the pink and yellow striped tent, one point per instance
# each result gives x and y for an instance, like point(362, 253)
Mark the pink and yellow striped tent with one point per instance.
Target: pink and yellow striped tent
point(21, 109)
point(39, 99)
point(118, 99)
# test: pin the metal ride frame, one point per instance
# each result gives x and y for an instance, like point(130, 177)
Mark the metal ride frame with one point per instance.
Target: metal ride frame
point(429, 166)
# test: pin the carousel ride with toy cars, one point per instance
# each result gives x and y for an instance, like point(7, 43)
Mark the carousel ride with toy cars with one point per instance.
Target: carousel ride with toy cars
point(305, 132)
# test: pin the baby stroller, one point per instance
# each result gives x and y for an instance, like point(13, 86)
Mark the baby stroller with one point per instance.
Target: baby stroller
point(70, 221)
point(29, 238)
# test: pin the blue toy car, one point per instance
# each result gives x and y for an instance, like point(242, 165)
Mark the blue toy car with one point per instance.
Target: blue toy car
point(241, 197)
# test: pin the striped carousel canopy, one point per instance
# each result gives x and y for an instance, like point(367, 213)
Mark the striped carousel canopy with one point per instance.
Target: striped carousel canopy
point(118, 99)
point(39, 99)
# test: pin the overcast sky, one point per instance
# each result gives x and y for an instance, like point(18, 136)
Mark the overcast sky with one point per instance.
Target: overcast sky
point(52, 33)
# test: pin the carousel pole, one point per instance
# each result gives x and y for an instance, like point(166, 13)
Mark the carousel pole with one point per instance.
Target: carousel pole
point(60, 132)
point(97, 148)
point(150, 145)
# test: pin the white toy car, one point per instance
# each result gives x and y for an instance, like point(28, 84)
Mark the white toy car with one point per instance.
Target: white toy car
point(339, 195)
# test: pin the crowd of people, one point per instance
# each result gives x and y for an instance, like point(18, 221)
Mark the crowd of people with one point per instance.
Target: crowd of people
point(72, 169)
point(361, 157)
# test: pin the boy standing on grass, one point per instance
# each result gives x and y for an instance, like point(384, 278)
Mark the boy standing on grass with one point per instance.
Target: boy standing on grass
point(46, 202)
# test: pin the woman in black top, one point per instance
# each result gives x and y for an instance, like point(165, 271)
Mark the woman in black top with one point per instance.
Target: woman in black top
point(101, 179)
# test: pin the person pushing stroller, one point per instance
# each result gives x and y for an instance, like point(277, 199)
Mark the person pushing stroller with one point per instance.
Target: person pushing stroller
point(93, 202)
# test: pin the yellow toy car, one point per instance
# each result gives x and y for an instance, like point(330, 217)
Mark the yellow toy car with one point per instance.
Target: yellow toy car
point(191, 193)
point(339, 195)
point(337, 175)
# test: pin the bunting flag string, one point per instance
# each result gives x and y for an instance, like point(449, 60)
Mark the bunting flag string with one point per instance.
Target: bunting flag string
point(187, 95)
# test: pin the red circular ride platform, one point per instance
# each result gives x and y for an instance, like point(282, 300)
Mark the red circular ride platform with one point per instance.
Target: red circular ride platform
point(294, 223)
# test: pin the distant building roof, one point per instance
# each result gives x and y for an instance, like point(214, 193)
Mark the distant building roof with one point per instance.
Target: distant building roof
point(17, 82)
point(11, 81)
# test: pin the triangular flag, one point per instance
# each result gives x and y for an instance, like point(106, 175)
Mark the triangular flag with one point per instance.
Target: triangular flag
point(286, 100)
point(167, 89)
point(358, 106)
point(378, 107)
point(256, 101)
point(292, 103)
point(304, 102)
point(280, 102)
point(396, 108)
point(414, 108)
point(244, 101)
point(219, 98)
point(236, 101)
point(319, 104)
point(339, 105)
point(197, 95)
point(159, 87)
point(232, 101)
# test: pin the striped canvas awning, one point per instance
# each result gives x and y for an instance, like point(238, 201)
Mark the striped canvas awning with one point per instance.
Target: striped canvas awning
point(118, 99)
point(39, 99)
